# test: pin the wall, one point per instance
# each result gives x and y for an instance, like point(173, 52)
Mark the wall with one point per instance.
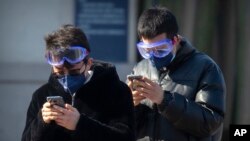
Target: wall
point(23, 67)
point(24, 23)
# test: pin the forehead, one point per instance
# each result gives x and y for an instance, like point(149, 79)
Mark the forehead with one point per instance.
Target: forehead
point(155, 39)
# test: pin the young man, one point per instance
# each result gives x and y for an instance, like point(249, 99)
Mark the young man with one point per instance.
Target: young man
point(181, 96)
point(98, 105)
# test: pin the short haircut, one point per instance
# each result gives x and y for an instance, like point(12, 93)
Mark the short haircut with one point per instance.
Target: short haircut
point(155, 21)
point(65, 37)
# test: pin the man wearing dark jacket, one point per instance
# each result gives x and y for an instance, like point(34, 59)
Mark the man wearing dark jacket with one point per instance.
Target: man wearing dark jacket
point(181, 96)
point(98, 105)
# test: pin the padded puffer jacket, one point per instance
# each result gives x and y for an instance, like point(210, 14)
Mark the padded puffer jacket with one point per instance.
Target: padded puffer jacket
point(194, 99)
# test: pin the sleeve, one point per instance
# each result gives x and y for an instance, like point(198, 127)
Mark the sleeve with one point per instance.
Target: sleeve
point(203, 116)
point(35, 126)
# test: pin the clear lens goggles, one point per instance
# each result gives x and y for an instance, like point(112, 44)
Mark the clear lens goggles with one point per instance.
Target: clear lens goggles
point(158, 49)
point(72, 55)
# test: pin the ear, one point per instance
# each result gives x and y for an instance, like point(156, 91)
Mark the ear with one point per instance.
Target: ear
point(89, 63)
point(176, 42)
point(87, 66)
point(175, 39)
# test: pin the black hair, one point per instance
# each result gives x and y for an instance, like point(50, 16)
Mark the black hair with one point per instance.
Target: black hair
point(65, 37)
point(155, 21)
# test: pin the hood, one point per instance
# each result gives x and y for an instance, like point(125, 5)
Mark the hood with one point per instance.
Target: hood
point(185, 51)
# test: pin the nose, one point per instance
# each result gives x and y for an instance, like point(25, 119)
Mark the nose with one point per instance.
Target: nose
point(70, 71)
point(66, 65)
point(67, 68)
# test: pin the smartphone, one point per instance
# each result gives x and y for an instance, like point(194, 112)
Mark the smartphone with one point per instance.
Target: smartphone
point(57, 100)
point(132, 77)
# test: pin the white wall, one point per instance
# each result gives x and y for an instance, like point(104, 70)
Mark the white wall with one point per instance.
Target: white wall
point(23, 68)
point(24, 24)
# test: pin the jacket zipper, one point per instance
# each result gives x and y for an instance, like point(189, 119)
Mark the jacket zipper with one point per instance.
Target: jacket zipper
point(73, 99)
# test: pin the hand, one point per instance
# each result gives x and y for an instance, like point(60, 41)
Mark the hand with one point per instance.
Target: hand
point(150, 90)
point(69, 117)
point(49, 113)
point(137, 97)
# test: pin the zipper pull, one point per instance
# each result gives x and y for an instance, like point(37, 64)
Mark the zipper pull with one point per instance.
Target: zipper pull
point(73, 100)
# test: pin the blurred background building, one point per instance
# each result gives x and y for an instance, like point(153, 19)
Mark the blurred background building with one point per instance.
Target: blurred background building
point(219, 28)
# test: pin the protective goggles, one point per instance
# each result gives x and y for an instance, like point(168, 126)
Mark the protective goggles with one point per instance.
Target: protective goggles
point(158, 49)
point(72, 55)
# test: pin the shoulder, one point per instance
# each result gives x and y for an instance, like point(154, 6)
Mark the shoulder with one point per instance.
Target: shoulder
point(194, 56)
point(205, 61)
point(104, 71)
point(41, 89)
point(40, 94)
point(102, 66)
point(142, 65)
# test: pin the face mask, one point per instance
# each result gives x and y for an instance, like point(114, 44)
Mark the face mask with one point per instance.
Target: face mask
point(71, 83)
point(162, 62)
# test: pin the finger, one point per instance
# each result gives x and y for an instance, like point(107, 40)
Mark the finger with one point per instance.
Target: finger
point(52, 117)
point(143, 84)
point(138, 97)
point(45, 109)
point(60, 119)
point(46, 114)
point(59, 122)
point(128, 80)
point(129, 83)
point(49, 118)
point(47, 105)
point(59, 109)
point(144, 92)
point(70, 107)
point(149, 86)
point(135, 92)
point(137, 82)
point(149, 81)
point(48, 110)
point(136, 102)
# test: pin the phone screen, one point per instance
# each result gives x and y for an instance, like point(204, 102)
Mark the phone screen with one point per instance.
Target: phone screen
point(57, 100)
point(131, 77)
point(134, 84)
